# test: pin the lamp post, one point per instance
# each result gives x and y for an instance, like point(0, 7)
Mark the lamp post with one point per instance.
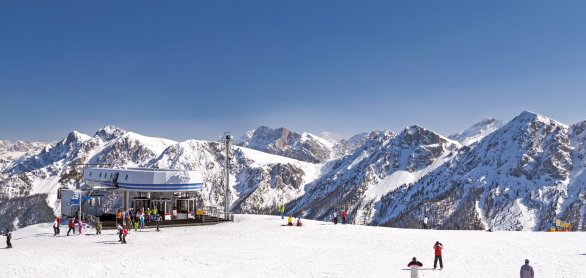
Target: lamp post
point(227, 142)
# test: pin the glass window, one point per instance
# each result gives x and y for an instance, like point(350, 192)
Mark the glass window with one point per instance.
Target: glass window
point(90, 174)
point(100, 175)
point(126, 178)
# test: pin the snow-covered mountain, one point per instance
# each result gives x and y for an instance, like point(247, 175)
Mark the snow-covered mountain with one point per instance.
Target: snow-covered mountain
point(281, 141)
point(383, 163)
point(477, 131)
point(11, 151)
point(260, 181)
point(348, 146)
point(517, 176)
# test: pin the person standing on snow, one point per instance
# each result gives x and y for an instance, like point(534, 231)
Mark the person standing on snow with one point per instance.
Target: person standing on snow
point(282, 210)
point(425, 223)
point(80, 225)
point(124, 232)
point(55, 227)
point(290, 221)
point(414, 265)
point(527, 270)
point(159, 220)
point(71, 226)
point(99, 227)
point(119, 228)
point(438, 255)
point(58, 225)
point(119, 216)
point(335, 217)
point(8, 238)
point(344, 216)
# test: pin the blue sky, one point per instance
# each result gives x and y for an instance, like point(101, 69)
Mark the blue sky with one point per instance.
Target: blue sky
point(194, 69)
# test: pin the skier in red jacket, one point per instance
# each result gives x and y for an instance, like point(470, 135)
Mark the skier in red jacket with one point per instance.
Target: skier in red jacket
point(438, 255)
point(344, 216)
point(124, 233)
point(71, 226)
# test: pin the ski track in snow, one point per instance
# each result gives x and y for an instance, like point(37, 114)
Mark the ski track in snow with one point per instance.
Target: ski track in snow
point(258, 246)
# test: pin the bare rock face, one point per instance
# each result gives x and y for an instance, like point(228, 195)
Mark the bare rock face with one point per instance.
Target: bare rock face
point(305, 147)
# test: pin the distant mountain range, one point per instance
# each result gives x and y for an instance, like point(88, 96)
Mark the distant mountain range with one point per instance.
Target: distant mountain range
point(518, 175)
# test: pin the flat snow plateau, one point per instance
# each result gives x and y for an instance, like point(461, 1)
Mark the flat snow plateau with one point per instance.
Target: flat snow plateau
point(259, 246)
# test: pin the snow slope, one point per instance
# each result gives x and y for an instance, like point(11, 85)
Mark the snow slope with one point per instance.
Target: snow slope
point(258, 246)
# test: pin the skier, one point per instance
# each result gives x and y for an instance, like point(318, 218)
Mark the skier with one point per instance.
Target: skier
point(80, 225)
point(299, 223)
point(8, 238)
point(128, 221)
point(119, 217)
point(438, 254)
point(414, 265)
point(124, 232)
point(155, 213)
point(55, 227)
point(141, 219)
point(282, 210)
point(159, 219)
point(99, 227)
point(335, 217)
point(58, 225)
point(71, 226)
point(119, 228)
point(290, 221)
point(132, 215)
point(527, 270)
point(344, 216)
point(425, 223)
point(136, 225)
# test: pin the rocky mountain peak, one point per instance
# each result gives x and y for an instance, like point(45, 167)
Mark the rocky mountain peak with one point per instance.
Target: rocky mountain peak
point(110, 132)
point(477, 131)
point(281, 141)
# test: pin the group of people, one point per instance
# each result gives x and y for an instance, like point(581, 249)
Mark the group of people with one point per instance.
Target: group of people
point(71, 225)
point(414, 264)
point(290, 218)
point(137, 219)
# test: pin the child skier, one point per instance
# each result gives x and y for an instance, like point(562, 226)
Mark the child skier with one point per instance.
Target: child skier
point(55, 227)
point(290, 221)
point(124, 232)
point(414, 265)
point(344, 216)
point(80, 226)
point(335, 217)
point(438, 255)
point(58, 225)
point(119, 228)
point(71, 226)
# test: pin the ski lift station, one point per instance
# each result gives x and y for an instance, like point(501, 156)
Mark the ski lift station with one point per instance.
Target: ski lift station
point(170, 191)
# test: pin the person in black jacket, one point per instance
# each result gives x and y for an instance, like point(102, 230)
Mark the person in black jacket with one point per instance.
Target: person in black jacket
point(8, 238)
